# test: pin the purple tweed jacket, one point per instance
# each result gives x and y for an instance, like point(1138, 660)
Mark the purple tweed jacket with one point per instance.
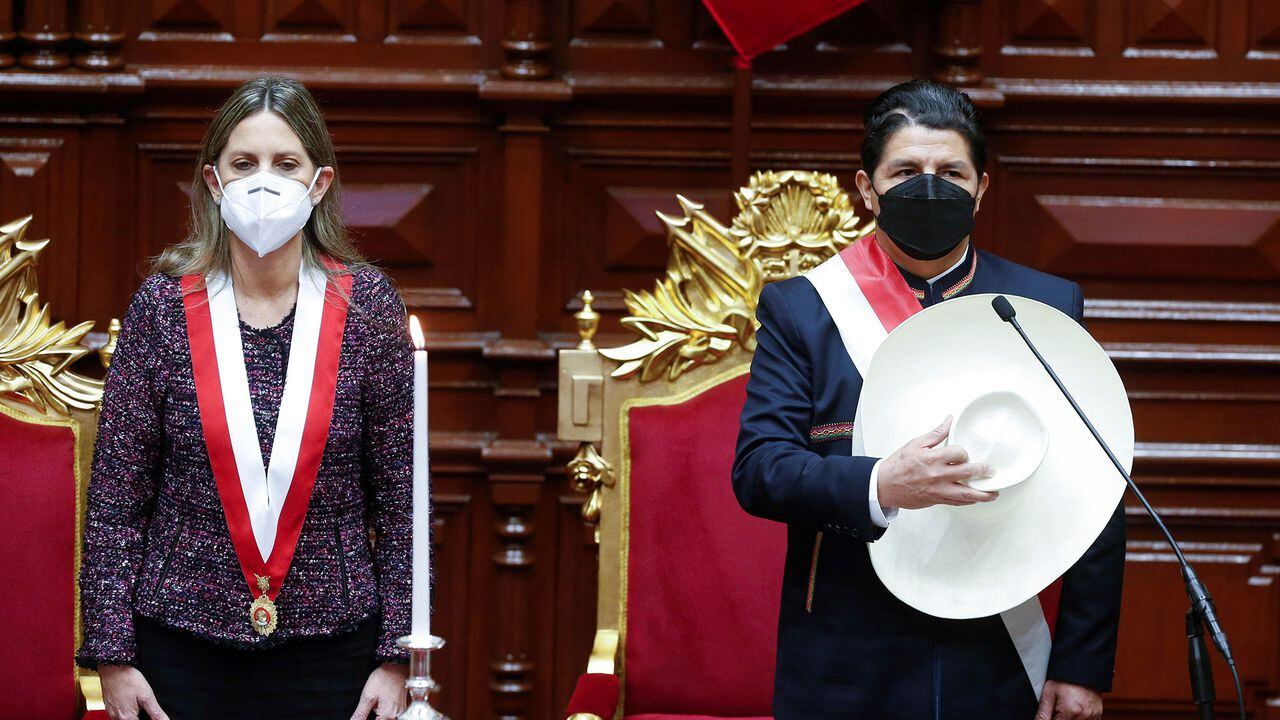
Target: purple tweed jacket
point(155, 539)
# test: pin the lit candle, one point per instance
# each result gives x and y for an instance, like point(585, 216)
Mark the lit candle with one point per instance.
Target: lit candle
point(421, 628)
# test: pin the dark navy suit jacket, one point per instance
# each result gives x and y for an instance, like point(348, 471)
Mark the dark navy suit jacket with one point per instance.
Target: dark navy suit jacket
point(847, 648)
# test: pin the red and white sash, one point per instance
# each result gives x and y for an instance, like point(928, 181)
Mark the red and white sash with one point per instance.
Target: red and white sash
point(265, 507)
point(867, 298)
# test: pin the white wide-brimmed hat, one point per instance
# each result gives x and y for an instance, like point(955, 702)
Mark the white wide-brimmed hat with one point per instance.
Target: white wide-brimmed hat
point(1057, 487)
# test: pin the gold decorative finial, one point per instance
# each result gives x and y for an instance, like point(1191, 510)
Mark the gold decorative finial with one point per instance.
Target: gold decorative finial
point(588, 322)
point(590, 473)
point(788, 222)
point(35, 352)
point(109, 348)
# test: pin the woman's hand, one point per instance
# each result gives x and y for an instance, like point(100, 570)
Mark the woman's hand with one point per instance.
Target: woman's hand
point(125, 692)
point(383, 692)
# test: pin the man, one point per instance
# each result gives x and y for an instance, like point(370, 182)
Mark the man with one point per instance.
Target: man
point(847, 648)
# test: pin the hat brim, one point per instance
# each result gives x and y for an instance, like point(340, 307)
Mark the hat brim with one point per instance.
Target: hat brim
point(983, 559)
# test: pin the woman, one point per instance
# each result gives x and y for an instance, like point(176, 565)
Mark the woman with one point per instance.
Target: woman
point(255, 427)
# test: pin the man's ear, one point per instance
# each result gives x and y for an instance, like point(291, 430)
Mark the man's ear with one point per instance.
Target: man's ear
point(869, 198)
point(211, 181)
point(982, 188)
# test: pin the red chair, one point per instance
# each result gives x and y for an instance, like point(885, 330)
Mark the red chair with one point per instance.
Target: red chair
point(47, 427)
point(689, 583)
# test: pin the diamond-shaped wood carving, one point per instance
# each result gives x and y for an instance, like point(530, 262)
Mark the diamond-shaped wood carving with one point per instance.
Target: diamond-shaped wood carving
point(612, 17)
point(390, 221)
point(634, 237)
point(190, 15)
point(1152, 236)
point(1171, 22)
point(310, 16)
point(1056, 21)
point(429, 15)
point(1264, 25)
point(24, 164)
point(872, 23)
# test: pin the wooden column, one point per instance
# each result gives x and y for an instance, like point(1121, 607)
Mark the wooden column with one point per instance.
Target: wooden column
point(740, 164)
point(958, 44)
point(99, 30)
point(517, 645)
point(526, 43)
point(7, 34)
point(46, 33)
point(524, 92)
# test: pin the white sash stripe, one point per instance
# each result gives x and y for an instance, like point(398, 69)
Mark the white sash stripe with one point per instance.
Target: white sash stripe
point(1030, 634)
point(265, 489)
point(862, 334)
point(860, 328)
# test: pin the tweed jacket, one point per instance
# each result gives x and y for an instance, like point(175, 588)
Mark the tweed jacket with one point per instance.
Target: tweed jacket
point(156, 542)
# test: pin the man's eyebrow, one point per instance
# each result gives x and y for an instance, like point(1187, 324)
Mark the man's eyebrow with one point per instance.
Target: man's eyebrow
point(903, 162)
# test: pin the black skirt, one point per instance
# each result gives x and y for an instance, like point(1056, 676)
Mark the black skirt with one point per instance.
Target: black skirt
point(313, 677)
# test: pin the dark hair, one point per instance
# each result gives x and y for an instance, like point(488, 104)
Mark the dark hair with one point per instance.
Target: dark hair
point(925, 104)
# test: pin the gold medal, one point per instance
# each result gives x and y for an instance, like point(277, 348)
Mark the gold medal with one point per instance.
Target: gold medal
point(262, 613)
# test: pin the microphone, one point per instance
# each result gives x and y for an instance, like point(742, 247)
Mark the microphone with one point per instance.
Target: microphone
point(1004, 308)
point(1202, 606)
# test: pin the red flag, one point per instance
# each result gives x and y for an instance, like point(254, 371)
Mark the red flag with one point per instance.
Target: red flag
point(755, 26)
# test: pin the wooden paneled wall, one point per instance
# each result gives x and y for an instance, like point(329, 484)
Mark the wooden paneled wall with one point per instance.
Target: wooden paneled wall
point(500, 156)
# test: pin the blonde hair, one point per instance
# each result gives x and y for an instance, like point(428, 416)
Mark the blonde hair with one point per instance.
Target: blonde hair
point(206, 247)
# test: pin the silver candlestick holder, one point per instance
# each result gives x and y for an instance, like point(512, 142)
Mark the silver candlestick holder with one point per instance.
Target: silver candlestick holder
point(420, 685)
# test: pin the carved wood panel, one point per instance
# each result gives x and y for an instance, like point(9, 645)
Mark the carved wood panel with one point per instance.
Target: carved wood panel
point(40, 176)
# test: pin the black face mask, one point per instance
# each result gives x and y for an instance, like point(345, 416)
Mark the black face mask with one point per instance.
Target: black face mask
point(926, 216)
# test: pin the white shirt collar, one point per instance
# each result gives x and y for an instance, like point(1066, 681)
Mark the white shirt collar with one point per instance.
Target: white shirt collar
point(959, 262)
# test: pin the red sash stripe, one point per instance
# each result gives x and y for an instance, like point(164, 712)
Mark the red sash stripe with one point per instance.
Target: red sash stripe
point(881, 283)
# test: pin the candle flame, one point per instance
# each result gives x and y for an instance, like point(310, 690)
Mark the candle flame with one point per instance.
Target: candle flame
point(415, 330)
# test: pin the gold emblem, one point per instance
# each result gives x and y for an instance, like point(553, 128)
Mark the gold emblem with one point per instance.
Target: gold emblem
point(262, 613)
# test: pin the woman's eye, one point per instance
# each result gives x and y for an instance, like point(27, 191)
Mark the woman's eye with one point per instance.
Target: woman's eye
point(242, 165)
point(288, 166)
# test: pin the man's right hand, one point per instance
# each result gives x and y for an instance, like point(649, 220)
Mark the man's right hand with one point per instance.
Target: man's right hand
point(125, 692)
point(924, 472)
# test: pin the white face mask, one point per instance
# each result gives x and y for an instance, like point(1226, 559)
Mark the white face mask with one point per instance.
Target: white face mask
point(264, 210)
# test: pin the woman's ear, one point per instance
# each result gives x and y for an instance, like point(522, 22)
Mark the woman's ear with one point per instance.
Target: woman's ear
point(323, 181)
point(211, 181)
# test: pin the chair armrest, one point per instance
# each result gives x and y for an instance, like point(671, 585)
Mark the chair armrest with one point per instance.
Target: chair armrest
point(90, 689)
point(595, 697)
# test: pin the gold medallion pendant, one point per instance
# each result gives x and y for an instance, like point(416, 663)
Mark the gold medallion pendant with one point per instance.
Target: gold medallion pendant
point(262, 613)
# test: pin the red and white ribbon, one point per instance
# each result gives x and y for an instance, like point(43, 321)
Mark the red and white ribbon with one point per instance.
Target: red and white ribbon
point(265, 507)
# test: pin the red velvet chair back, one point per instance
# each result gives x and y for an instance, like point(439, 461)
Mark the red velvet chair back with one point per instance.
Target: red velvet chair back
point(38, 550)
point(703, 577)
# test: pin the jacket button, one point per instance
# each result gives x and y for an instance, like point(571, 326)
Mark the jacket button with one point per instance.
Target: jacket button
point(853, 533)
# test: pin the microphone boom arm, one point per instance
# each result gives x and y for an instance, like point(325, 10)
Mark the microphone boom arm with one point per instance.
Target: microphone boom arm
point(1202, 607)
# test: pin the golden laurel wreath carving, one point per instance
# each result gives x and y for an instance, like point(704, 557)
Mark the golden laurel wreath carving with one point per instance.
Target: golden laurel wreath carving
point(788, 222)
point(35, 352)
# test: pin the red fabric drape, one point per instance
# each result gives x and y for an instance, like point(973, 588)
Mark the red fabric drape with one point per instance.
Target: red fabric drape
point(37, 561)
point(755, 26)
